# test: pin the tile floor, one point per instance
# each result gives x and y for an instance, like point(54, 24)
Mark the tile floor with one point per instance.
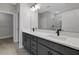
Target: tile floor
point(7, 47)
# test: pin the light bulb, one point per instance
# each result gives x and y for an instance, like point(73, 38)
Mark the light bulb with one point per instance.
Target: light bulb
point(32, 9)
point(36, 7)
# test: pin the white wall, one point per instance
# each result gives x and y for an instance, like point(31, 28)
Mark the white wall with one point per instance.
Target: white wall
point(6, 25)
point(16, 23)
point(24, 21)
point(28, 20)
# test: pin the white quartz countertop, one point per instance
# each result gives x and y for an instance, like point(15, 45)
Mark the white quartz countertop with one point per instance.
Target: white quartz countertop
point(62, 39)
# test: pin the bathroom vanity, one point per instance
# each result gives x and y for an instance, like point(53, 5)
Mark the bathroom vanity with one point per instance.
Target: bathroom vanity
point(39, 44)
point(51, 43)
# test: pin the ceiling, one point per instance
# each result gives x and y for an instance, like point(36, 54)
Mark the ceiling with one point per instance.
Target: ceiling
point(57, 7)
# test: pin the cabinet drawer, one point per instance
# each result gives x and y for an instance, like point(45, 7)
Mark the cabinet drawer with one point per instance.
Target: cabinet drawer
point(24, 38)
point(33, 38)
point(58, 47)
point(26, 35)
point(33, 45)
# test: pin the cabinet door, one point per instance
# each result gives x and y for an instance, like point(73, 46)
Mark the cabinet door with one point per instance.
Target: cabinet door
point(42, 50)
point(26, 42)
point(33, 47)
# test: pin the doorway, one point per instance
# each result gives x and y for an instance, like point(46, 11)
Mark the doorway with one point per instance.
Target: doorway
point(6, 25)
point(7, 46)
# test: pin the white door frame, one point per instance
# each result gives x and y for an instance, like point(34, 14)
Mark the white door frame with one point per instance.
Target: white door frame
point(14, 23)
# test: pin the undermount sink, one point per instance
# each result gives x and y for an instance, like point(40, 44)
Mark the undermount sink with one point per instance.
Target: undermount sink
point(57, 37)
point(42, 33)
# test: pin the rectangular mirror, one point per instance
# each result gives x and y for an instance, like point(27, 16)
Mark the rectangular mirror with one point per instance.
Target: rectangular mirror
point(53, 16)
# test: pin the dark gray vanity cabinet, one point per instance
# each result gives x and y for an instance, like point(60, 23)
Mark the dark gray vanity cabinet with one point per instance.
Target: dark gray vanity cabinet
point(26, 41)
point(39, 46)
point(30, 43)
point(56, 48)
point(44, 49)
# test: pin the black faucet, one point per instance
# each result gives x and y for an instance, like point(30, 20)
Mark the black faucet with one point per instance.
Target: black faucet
point(33, 29)
point(58, 32)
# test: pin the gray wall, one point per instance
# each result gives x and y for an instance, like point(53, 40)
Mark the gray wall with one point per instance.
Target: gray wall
point(6, 25)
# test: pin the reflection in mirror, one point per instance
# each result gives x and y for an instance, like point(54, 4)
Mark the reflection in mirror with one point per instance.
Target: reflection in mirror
point(49, 21)
point(64, 16)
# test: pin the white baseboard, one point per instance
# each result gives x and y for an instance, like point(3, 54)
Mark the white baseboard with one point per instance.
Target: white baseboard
point(6, 37)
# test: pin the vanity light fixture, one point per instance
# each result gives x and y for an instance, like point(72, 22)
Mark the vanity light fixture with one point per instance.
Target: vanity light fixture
point(35, 7)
